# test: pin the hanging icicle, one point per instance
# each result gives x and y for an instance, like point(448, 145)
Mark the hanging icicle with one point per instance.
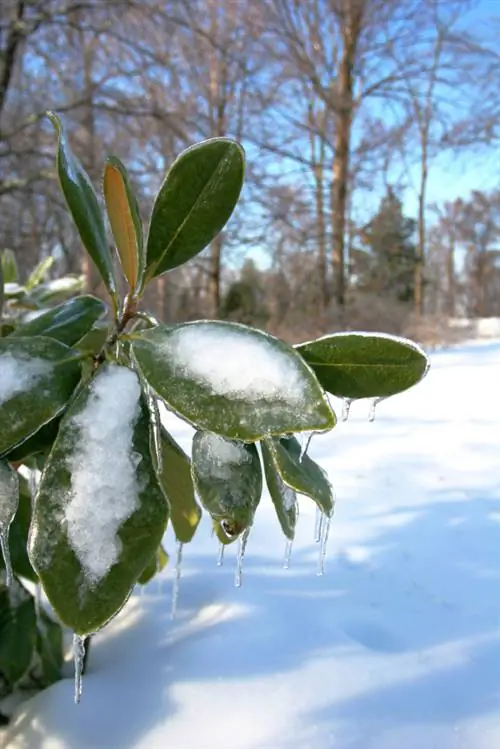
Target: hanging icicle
point(305, 442)
point(177, 579)
point(346, 408)
point(325, 531)
point(288, 554)
point(373, 407)
point(239, 561)
point(4, 547)
point(318, 524)
point(220, 557)
point(78, 659)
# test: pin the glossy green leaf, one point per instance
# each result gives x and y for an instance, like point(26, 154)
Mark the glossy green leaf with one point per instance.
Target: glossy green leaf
point(94, 340)
point(38, 274)
point(9, 267)
point(283, 497)
point(17, 632)
point(69, 322)
point(125, 220)
point(174, 475)
point(232, 380)
point(83, 206)
point(37, 379)
point(305, 476)
point(88, 568)
point(228, 479)
point(364, 365)
point(157, 563)
point(49, 646)
point(195, 201)
point(57, 290)
point(39, 443)
point(18, 537)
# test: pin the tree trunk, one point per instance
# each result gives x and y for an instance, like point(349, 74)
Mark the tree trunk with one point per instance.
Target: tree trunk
point(450, 274)
point(214, 276)
point(420, 258)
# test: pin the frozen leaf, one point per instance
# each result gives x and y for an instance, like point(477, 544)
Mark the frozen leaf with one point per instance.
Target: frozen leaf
point(284, 497)
point(39, 443)
point(365, 365)
point(305, 476)
point(49, 645)
point(99, 514)
point(125, 219)
point(18, 537)
point(156, 564)
point(228, 479)
point(69, 322)
point(84, 207)
point(17, 632)
point(194, 203)
point(37, 379)
point(9, 501)
point(232, 380)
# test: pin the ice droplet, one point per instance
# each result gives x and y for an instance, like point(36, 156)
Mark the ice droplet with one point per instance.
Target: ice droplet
point(241, 553)
point(78, 658)
point(325, 531)
point(305, 442)
point(288, 554)
point(373, 406)
point(177, 579)
point(346, 407)
point(220, 558)
point(4, 546)
point(318, 524)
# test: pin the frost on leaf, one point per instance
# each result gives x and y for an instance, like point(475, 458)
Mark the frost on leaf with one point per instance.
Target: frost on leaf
point(19, 373)
point(99, 514)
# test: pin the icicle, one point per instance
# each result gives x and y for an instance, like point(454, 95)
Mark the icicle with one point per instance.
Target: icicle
point(324, 541)
point(318, 524)
point(33, 485)
point(288, 554)
point(78, 658)
point(346, 407)
point(177, 579)
point(38, 601)
point(220, 558)
point(4, 547)
point(241, 553)
point(306, 441)
point(373, 406)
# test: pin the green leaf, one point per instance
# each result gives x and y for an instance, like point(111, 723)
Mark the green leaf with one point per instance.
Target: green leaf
point(40, 442)
point(95, 339)
point(49, 645)
point(305, 476)
point(228, 479)
point(57, 290)
point(125, 220)
point(363, 365)
point(40, 271)
point(283, 497)
point(84, 207)
point(18, 537)
point(157, 563)
point(37, 379)
point(99, 514)
point(175, 479)
point(232, 380)
point(195, 201)
point(17, 632)
point(69, 322)
point(9, 267)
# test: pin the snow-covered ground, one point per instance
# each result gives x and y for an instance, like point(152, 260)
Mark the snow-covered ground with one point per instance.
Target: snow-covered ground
point(396, 647)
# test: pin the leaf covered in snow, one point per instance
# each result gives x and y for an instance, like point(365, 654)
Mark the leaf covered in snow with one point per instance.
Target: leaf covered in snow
point(303, 475)
point(228, 479)
point(99, 514)
point(194, 203)
point(37, 378)
point(68, 322)
point(283, 497)
point(365, 365)
point(232, 380)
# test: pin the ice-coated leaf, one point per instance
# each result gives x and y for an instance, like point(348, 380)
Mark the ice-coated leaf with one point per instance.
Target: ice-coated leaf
point(305, 476)
point(49, 646)
point(69, 322)
point(83, 206)
point(157, 563)
point(195, 201)
point(228, 480)
point(124, 218)
point(39, 443)
point(39, 272)
point(99, 514)
point(58, 290)
point(232, 380)
point(95, 339)
point(284, 497)
point(37, 378)
point(175, 479)
point(365, 365)
point(18, 537)
point(17, 632)
point(9, 267)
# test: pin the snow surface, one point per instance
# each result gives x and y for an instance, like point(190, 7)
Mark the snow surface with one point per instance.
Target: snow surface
point(396, 647)
point(20, 373)
point(230, 362)
point(103, 465)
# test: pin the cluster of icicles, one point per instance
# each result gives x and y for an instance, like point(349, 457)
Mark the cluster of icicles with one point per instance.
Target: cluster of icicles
point(321, 533)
